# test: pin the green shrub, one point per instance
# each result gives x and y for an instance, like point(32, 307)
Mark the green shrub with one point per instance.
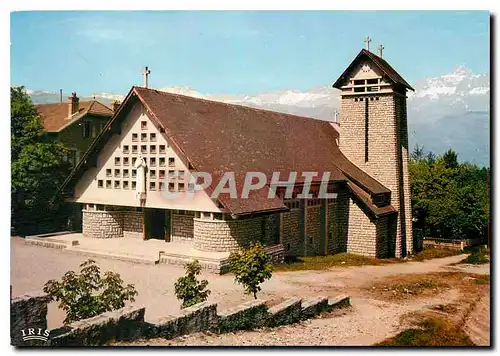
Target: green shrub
point(188, 288)
point(478, 257)
point(250, 267)
point(88, 294)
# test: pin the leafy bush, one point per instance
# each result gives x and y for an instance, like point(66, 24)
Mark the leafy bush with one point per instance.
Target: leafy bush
point(477, 257)
point(88, 294)
point(189, 289)
point(250, 267)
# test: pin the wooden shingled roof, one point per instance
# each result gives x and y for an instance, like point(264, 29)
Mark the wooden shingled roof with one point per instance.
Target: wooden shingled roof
point(216, 137)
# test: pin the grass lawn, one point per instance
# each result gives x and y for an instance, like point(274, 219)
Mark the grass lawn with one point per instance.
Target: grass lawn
point(349, 259)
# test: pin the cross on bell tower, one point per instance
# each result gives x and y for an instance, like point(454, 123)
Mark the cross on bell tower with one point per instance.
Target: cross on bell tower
point(367, 41)
point(146, 72)
point(380, 49)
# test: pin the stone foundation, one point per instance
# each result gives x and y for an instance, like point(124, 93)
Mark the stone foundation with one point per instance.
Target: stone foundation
point(291, 233)
point(227, 235)
point(182, 228)
point(133, 222)
point(112, 224)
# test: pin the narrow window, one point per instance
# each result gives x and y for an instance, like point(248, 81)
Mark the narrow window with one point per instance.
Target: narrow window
point(108, 184)
point(161, 186)
point(181, 187)
point(117, 173)
point(125, 173)
point(162, 161)
point(181, 174)
point(125, 161)
point(134, 149)
point(171, 161)
point(135, 137)
point(162, 148)
point(117, 184)
point(125, 148)
point(161, 174)
point(152, 162)
point(171, 174)
point(117, 161)
point(134, 159)
point(144, 149)
point(134, 173)
point(144, 125)
point(366, 130)
point(86, 129)
point(152, 149)
point(108, 172)
point(100, 183)
point(125, 184)
point(133, 184)
point(171, 187)
point(152, 137)
point(152, 174)
point(152, 185)
point(144, 137)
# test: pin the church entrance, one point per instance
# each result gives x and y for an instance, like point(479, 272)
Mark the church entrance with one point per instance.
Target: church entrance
point(156, 224)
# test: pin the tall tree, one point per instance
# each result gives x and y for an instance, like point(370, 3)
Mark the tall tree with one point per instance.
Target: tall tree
point(38, 168)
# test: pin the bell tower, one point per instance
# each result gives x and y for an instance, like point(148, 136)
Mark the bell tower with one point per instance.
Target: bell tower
point(374, 133)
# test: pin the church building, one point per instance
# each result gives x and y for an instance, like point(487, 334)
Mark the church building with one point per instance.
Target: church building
point(156, 140)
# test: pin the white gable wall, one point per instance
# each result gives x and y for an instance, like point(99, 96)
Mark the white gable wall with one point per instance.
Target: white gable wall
point(112, 181)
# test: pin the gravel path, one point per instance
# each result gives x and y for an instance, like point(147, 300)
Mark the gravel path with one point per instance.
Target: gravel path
point(32, 266)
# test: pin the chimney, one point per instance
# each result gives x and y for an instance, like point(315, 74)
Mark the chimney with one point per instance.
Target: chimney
point(73, 103)
point(115, 105)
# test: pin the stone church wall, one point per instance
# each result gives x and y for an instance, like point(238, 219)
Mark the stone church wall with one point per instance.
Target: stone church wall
point(314, 242)
point(133, 222)
point(338, 223)
point(102, 224)
point(362, 233)
point(291, 233)
point(227, 235)
point(182, 228)
point(112, 224)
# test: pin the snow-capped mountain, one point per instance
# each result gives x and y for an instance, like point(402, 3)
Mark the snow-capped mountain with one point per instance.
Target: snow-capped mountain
point(449, 111)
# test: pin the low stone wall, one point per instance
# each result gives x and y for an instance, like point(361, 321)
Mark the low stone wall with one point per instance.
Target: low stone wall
point(199, 317)
point(30, 311)
point(247, 316)
point(454, 244)
point(112, 224)
point(27, 312)
point(182, 228)
point(122, 324)
point(288, 312)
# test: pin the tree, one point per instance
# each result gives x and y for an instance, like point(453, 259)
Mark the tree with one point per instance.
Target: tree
point(450, 159)
point(453, 195)
point(250, 267)
point(189, 289)
point(38, 168)
point(88, 294)
point(418, 153)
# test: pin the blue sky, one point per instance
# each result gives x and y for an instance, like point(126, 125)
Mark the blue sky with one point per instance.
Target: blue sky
point(234, 52)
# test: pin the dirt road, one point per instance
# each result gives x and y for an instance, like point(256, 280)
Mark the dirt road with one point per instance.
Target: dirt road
point(369, 321)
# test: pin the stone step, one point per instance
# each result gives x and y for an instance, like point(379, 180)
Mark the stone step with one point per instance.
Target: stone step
point(140, 259)
point(218, 266)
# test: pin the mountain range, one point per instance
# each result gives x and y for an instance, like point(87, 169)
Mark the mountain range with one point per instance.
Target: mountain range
point(448, 111)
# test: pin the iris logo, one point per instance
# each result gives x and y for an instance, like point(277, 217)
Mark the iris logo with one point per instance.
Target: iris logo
point(35, 334)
